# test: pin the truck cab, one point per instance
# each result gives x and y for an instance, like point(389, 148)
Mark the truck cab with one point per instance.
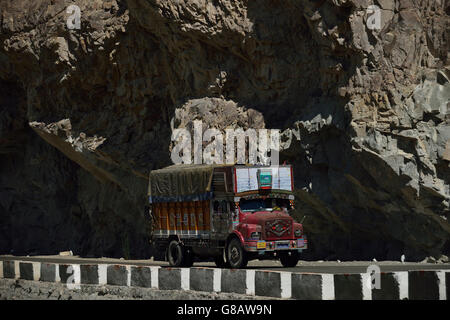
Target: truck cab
point(229, 213)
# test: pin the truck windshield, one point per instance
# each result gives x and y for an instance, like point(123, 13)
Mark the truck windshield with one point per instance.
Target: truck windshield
point(268, 204)
point(255, 204)
point(264, 204)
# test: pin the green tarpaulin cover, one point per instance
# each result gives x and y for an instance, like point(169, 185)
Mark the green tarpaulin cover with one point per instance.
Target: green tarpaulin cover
point(181, 183)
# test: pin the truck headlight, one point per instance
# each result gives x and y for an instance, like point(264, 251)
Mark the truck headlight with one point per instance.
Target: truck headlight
point(255, 235)
point(298, 233)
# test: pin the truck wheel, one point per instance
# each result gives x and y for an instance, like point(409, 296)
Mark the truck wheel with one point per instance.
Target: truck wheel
point(188, 258)
point(289, 259)
point(236, 255)
point(175, 254)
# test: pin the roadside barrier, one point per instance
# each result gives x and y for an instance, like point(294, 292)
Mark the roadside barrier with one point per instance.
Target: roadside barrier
point(413, 285)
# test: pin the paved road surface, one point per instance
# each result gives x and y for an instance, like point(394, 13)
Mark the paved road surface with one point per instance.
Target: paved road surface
point(303, 266)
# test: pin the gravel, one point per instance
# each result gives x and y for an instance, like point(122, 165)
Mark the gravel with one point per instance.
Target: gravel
point(34, 290)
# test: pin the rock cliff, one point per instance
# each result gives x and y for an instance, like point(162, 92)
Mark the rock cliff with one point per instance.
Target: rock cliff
point(86, 113)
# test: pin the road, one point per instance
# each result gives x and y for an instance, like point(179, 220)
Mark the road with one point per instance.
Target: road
point(345, 267)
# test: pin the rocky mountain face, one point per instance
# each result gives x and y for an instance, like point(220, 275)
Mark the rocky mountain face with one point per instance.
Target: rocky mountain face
point(86, 113)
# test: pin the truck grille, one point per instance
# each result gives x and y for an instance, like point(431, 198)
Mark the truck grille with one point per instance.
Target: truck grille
point(278, 228)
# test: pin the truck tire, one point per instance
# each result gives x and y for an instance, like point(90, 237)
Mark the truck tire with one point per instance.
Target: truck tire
point(188, 258)
point(236, 255)
point(175, 254)
point(289, 259)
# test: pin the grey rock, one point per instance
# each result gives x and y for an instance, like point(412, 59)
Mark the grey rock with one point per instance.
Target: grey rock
point(86, 114)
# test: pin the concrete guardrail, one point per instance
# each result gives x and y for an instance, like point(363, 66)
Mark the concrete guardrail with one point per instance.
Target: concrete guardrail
point(413, 285)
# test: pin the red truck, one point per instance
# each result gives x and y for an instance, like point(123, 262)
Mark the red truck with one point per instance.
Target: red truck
point(230, 213)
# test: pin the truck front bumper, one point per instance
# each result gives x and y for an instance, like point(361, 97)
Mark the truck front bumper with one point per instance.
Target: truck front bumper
point(276, 245)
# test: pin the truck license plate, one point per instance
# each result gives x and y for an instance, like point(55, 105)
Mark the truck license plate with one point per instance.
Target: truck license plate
point(261, 245)
point(282, 245)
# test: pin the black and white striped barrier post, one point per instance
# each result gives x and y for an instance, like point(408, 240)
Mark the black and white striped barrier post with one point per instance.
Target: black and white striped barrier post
point(413, 285)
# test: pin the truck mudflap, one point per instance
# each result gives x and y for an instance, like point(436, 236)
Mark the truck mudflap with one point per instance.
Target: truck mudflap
point(275, 245)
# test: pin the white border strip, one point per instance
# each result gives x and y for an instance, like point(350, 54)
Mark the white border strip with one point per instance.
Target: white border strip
point(402, 280)
point(328, 286)
point(36, 271)
point(366, 284)
point(57, 276)
point(184, 273)
point(16, 269)
point(154, 277)
point(217, 280)
point(77, 273)
point(128, 268)
point(250, 282)
point(286, 284)
point(1, 269)
point(441, 284)
point(102, 274)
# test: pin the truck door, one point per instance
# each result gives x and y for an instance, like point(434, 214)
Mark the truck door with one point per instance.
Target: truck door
point(226, 217)
point(221, 219)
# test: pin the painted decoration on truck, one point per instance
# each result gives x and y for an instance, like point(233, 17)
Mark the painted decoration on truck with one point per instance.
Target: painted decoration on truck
point(186, 219)
point(284, 178)
point(264, 178)
point(247, 178)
